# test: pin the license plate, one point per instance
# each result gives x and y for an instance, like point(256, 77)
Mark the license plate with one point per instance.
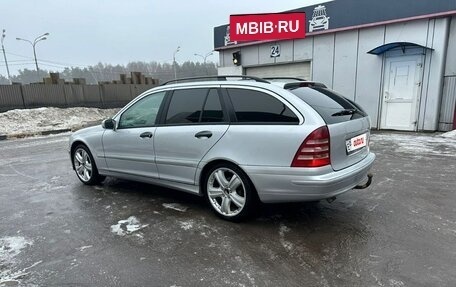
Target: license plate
point(356, 143)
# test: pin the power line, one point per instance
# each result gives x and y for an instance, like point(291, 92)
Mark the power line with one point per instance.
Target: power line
point(18, 64)
point(48, 61)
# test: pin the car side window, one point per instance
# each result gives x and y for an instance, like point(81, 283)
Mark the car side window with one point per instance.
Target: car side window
point(143, 113)
point(185, 106)
point(212, 111)
point(257, 107)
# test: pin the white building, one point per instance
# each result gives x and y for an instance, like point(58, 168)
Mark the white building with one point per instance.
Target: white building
point(395, 58)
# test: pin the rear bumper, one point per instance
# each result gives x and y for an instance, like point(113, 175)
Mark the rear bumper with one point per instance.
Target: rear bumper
point(286, 184)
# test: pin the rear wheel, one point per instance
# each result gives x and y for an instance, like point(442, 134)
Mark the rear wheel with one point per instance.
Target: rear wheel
point(85, 166)
point(229, 192)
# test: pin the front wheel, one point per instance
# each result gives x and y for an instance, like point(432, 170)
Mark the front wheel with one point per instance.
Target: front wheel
point(85, 166)
point(229, 192)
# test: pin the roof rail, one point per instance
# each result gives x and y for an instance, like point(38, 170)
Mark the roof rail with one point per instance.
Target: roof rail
point(284, 78)
point(215, 78)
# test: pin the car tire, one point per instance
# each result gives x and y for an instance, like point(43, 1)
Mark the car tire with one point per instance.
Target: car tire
point(85, 167)
point(229, 192)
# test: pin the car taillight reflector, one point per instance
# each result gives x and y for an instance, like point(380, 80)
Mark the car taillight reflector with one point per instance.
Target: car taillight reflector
point(314, 151)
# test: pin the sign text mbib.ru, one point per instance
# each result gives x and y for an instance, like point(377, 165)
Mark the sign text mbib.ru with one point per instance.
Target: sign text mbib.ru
point(277, 26)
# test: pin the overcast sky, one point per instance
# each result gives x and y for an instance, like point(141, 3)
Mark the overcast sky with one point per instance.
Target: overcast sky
point(85, 32)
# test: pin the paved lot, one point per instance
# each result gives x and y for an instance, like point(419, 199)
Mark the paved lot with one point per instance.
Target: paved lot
point(56, 232)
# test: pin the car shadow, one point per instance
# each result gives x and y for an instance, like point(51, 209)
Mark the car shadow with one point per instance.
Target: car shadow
point(137, 193)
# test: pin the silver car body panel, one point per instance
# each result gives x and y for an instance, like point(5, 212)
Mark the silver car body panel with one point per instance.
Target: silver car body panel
point(190, 188)
point(175, 157)
point(92, 138)
point(125, 151)
point(340, 133)
point(178, 151)
point(287, 184)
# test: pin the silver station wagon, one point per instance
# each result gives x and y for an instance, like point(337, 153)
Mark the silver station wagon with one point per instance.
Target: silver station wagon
point(236, 140)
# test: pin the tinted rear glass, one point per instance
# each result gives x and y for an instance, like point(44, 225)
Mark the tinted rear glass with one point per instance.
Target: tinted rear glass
point(185, 106)
point(257, 107)
point(332, 107)
point(212, 111)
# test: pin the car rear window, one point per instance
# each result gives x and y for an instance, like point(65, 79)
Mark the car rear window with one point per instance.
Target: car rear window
point(256, 107)
point(333, 107)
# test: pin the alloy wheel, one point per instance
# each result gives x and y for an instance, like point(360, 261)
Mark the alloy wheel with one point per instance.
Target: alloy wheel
point(226, 191)
point(83, 165)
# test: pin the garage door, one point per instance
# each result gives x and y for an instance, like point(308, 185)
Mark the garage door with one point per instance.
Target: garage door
point(300, 70)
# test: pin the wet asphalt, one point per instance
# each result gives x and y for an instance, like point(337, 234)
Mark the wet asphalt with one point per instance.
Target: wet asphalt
point(401, 231)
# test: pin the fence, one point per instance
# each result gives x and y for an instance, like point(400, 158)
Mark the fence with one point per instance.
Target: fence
point(68, 95)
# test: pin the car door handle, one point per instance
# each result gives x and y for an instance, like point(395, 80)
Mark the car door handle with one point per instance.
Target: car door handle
point(146, 135)
point(203, 134)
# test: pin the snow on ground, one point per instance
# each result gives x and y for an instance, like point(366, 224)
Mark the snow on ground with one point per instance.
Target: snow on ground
point(10, 248)
point(175, 206)
point(127, 226)
point(44, 119)
point(417, 144)
point(450, 134)
point(282, 231)
point(186, 225)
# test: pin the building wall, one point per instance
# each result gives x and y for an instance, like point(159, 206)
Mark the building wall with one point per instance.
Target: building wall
point(450, 66)
point(448, 106)
point(368, 88)
point(340, 61)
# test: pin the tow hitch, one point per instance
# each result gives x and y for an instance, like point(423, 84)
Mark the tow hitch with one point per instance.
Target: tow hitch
point(366, 185)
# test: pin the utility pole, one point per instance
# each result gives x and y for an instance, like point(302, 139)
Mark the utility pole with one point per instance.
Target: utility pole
point(174, 62)
point(4, 55)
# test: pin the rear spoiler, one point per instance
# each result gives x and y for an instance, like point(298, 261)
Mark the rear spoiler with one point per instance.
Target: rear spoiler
point(295, 85)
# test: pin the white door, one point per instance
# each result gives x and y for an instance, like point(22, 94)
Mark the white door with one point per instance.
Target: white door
point(300, 70)
point(401, 87)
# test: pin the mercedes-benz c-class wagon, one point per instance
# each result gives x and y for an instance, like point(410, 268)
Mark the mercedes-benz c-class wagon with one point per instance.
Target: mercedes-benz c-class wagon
point(235, 142)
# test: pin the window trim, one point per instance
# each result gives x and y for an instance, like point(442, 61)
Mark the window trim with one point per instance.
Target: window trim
point(119, 115)
point(232, 112)
point(162, 120)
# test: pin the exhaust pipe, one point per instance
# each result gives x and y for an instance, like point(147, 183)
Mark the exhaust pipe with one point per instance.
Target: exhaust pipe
point(366, 185)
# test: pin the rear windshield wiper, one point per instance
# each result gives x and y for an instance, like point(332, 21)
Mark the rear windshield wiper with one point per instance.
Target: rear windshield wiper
point(345, 112)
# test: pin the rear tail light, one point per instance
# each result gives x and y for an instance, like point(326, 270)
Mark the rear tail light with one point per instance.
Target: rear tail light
point(314, 151)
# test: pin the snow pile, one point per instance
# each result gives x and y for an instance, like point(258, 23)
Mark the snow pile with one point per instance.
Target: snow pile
point(450, 134)
point(45, 119)
point(127, 226)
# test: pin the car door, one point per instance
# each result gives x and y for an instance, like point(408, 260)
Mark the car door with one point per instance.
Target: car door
point(192, 125)
point(129, 149)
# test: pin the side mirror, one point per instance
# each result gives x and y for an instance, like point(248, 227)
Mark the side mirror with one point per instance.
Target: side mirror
point(109, 124)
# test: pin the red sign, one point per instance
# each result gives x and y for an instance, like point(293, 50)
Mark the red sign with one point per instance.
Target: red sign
point(277, 26)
